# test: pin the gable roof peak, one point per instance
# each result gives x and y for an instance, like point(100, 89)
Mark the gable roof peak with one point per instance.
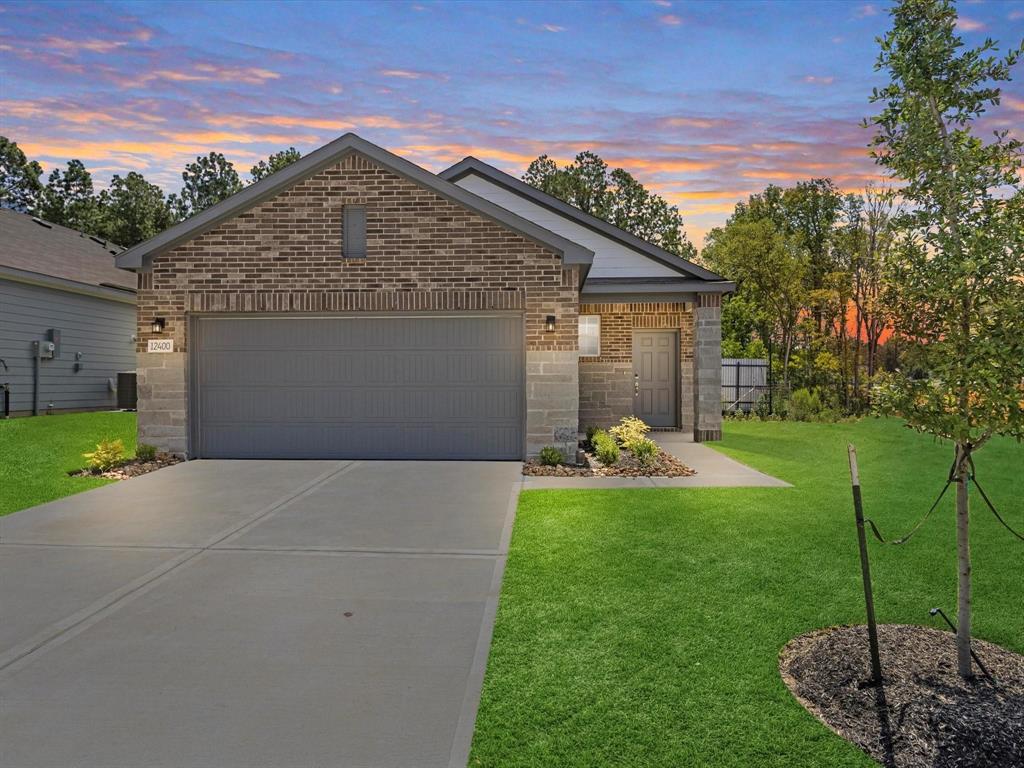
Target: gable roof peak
point(140, 256)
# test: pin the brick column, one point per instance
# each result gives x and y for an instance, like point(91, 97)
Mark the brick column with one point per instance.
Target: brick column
point(707, 367)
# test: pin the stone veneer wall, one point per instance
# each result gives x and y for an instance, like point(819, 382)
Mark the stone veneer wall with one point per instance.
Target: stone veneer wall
point(424, 253)
point(606, 382)
point(707, 346)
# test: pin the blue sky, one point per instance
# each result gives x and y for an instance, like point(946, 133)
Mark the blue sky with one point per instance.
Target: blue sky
point(705, 102)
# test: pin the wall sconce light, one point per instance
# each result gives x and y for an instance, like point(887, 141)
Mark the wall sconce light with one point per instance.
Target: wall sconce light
point(158, 325)
point(549, 323)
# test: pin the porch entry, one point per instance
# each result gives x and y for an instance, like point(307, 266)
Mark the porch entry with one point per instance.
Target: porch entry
point(656, 377)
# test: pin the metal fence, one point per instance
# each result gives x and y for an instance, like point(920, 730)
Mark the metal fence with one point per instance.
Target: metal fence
point(744, 382)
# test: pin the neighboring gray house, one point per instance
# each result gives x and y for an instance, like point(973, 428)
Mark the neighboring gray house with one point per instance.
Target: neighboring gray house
point(61, 287)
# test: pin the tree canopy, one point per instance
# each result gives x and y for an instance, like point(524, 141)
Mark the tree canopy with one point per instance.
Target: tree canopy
point(19, 178)
point(274, 163)
point(68, 199)
point(613, 195)
point(207, 181)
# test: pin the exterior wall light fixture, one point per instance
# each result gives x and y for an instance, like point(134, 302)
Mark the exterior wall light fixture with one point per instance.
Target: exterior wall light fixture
point(158, 325)
point(549, 323)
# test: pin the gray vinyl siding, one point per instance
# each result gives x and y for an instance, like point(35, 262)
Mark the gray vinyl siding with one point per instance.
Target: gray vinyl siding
point(100, 329)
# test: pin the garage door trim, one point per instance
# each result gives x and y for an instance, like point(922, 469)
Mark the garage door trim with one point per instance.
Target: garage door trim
point(195, 449)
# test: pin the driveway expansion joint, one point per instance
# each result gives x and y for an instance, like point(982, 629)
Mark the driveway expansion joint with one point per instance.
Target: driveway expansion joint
point(17, 657)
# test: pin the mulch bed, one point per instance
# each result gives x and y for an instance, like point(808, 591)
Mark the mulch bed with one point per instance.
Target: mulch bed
point(924, 714)
point(664, 465)
point(132, 468)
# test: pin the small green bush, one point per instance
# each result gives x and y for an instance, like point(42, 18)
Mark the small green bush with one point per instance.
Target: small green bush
point(645, 450)
point(605, 448)
point(804, 405)
point(590, 434)
point(551, 456)
point(145, 452)
point(108, 454)
point(762, 409)
point(629, 430)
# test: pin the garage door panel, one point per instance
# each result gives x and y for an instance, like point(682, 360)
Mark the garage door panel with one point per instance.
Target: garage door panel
point(372, 387)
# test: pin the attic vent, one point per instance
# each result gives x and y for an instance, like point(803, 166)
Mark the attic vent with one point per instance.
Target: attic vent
point(354, 232)
point(42, 223)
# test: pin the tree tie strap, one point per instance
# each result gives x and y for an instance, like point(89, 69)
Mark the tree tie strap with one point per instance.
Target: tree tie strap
point(906, 537)
point(984, 495)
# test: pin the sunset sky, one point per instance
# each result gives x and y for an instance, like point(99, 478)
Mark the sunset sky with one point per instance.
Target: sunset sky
point(703, 102)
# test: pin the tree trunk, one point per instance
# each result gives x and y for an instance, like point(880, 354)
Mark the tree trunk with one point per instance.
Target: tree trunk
point(963, 549)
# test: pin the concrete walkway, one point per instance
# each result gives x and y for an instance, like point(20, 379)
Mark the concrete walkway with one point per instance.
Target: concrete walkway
point(714, 470)
point(256, 613)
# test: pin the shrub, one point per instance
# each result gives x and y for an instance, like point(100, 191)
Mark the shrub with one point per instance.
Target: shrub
point(645, 450)
point(804, 405)
point(590, 434)
point(108, 454)
point(551, 456)
point(145, 452)
point(761, 408)
point(605, 448)
point(629, 430)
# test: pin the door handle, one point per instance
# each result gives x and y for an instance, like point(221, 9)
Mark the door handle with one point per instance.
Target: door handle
point(636, 385)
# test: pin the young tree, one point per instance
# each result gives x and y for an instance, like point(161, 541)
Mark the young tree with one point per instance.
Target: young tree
point(133, 210)
point(207, 181)
point(955, 276)
point(274, 163)
point(19, 178)
point(613, 195)
point(68, 199)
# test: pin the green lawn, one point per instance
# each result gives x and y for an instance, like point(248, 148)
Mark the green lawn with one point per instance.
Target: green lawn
point(36, 454)
point(642, 627)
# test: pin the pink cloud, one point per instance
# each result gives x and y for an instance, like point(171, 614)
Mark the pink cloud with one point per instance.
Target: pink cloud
point(670, 20)
point(819, 80)
point(969, 25)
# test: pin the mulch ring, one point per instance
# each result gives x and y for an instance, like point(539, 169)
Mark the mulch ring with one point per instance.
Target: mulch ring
point(131, 468)
point(664, 465)
point(924, 714)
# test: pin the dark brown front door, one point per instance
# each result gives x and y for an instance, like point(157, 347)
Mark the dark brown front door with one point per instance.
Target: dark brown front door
point(655, 377)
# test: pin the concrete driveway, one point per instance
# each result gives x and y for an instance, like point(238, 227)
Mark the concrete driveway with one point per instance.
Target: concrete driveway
point(256, 613)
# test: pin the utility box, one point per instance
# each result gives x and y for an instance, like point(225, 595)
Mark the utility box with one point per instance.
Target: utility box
point(127, 391)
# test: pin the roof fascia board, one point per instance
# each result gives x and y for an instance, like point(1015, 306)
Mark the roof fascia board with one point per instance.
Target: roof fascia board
point(141, 256)
point(472, 165)
point(125, 296)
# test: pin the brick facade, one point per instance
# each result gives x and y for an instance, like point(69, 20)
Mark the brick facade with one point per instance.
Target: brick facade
point(424, 253)
point(606, 381)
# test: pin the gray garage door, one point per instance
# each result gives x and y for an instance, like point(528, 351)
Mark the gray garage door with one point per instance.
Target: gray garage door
point(381, 387)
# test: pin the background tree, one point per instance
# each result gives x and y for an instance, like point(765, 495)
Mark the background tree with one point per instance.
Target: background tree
point(68, 199)
point(613, 195)
point(770, 270)
point(133, 210)
point(955, 276)
point(207, 181)
point(19, 178)
point(274, 163)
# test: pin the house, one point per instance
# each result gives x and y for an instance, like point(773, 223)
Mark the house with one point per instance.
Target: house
point(354, 304)
point(67, 317)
